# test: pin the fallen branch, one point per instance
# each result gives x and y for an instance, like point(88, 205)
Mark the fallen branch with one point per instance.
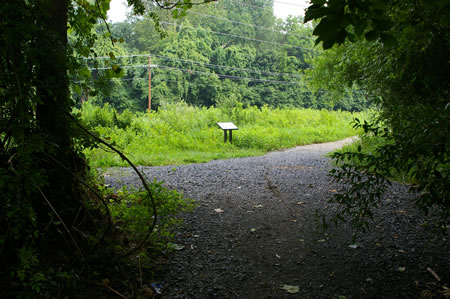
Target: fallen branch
point(434, 274)
point(112, 290)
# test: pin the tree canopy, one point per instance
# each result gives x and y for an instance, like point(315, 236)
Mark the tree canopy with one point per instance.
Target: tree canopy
point(54, 226)
point(397, 53)
point(227, 50)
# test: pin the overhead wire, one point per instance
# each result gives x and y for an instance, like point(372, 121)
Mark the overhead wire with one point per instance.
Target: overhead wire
point(230, 76)
point(191, 83)
point(245, 24)
point(238, 36)
point(232, 35)
point(206, 64)
point(266, 6)
point(292, 4)
point(229, 67)
point(206, 73)
point(222, 66)
point(250, 5)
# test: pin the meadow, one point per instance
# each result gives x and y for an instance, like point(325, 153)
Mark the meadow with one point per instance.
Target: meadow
point(182, 134)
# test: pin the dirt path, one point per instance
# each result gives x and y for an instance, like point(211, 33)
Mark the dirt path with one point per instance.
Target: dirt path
point(254, 231)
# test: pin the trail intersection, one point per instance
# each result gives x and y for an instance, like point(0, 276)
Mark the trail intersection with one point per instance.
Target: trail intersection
point(254, 234)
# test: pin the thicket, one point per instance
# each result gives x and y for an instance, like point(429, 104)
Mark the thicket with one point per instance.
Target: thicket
point(397, 53)
point(61, 233)
point(180, 133)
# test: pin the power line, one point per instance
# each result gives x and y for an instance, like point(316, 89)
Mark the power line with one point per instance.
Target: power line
point(230, 76)
point(246, 24)
point(250, 5)
point(237, 36)
point(230, 67)
point(292, 4)
point(266, 6)
point(208, 74)
point(176, 81)
point(204, 64)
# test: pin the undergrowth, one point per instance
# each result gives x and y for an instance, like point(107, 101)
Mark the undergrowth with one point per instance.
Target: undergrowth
point(112, 257)
point(132, 212)
point(181, 134)
point(369, 165)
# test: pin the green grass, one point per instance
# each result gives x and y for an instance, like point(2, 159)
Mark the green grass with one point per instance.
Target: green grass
point(182, 134)
point(369, 145)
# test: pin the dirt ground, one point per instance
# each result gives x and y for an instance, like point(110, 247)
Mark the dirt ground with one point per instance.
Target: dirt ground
point(255, 234)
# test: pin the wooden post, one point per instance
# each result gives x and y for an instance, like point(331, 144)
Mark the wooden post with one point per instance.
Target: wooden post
point(149, 84)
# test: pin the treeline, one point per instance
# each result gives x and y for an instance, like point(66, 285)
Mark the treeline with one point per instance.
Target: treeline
point(218, 54)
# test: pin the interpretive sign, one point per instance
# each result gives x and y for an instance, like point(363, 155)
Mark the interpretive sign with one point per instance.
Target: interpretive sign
point(227, 127)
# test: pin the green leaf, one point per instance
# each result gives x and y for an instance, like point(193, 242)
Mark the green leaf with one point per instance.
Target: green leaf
point(359, 28)
point(77, 90)
point(323, 29)
point(351, 37)
point(116, 68)
point(315, 12)
point(85, 72)
point(175, 246)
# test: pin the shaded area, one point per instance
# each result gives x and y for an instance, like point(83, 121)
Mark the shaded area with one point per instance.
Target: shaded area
point(254, 230)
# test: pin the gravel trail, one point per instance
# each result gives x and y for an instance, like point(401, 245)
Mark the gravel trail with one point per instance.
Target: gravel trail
point(254, 231)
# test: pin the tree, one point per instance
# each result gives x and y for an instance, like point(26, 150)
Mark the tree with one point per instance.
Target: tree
point(50, 227)
point(397, 52)
point(224, 40)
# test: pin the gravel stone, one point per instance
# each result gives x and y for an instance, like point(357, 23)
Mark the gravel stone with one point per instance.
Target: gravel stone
point(267, 235)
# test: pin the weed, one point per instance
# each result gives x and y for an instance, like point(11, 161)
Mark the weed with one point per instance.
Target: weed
point(181, 134)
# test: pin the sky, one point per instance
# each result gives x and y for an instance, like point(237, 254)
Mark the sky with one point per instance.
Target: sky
point(282, 8)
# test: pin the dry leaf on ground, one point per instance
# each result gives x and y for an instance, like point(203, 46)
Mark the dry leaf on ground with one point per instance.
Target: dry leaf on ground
point(290, 289)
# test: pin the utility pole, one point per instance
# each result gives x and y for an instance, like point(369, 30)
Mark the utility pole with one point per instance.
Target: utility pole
point(149, 84)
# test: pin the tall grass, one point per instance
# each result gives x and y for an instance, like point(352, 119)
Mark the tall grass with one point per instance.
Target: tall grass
point(181, 134)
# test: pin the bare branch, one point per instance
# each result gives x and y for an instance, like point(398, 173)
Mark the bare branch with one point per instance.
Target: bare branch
point(104, 20)
point(90, 188)
point(60, 219)
point(141, 177)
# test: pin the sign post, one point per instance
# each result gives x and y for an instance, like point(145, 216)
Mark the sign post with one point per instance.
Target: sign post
point(227, 127)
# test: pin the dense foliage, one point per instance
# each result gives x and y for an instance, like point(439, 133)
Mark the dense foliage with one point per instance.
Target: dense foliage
point(401, 61)
point(221, 52)
point(56, 231)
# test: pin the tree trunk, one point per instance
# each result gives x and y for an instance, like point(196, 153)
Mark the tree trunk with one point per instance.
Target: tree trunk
point(53, 123)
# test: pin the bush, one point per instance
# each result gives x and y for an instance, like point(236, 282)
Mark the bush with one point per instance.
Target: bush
point(180, 133)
